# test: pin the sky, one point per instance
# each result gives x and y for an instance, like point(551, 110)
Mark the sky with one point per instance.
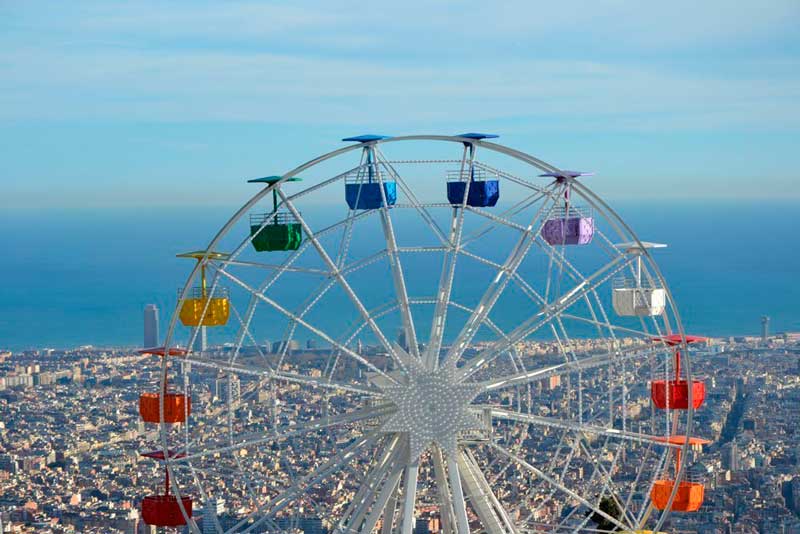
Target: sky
point(126, 104)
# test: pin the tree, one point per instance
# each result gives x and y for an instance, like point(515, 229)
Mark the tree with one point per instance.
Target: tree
point(609, 506)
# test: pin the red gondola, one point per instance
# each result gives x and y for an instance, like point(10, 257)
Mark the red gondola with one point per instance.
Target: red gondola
point(164, 510)
point(161, 351)
point(674, 394)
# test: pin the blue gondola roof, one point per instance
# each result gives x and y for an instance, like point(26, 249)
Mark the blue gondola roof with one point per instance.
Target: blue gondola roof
point(475, 135)
point(366, 138)
point(272, 180)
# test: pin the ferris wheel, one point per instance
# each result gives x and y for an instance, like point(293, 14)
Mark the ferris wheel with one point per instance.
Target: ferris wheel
point(463, 338)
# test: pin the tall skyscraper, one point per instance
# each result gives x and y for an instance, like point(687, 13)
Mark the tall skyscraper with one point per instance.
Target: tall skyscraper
point(151, 326)
point(730, 456)
point(209, 514)
point(228, 389)
point(200, 341)
point(764, 328)
point(401, 339)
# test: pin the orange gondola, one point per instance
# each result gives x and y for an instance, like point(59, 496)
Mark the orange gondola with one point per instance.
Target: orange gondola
point(689, 497)
point(176, 407)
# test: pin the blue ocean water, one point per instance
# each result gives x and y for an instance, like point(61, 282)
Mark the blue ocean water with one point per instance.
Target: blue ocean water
point(74, 277)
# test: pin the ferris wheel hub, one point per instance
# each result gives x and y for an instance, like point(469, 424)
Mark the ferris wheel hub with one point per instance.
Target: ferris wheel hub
point(432, 407)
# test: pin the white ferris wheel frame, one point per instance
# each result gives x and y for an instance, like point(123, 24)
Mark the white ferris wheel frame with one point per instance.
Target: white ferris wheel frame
point(393, 478)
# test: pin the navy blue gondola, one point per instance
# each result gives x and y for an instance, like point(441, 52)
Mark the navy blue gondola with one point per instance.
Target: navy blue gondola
point(482, 193)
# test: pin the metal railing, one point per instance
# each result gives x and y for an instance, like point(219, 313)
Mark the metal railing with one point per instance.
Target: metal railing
point(281, 217)
point(464, 175)
point(196, 292)
point(629, 282)
point(562, 212)
point(361, 175)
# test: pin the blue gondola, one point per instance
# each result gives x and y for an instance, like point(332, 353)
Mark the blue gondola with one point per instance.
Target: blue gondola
point(362, 189)
point(367, 195)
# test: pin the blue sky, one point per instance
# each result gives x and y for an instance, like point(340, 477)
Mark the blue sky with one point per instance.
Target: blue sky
point(175, 103)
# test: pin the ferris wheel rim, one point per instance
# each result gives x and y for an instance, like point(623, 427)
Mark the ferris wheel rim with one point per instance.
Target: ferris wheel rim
point(611, 216)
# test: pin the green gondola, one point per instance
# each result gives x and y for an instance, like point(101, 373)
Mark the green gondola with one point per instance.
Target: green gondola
point(278, 229)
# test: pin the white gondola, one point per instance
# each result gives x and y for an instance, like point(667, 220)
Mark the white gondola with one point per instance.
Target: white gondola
point(633, 296)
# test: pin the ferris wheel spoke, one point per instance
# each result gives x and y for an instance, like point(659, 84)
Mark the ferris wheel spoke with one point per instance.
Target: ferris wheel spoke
point(544, 315)
point(245, 329)
point(443, 491)
point(537, 299)
point(514, 178)
point(524, 286)
point(492, 514)
point(558, 256)
point(498, 284)
point(270, 373)
point(565, 463)
point(561, 487)
point(573, 366)
point(285, 432)
point(494, 220)
point(597, 468)
point(286, 266)
point(573, 450)
point(302, 322)
point(504, 216)
point(332, 465)
point(459, 506)
point(486, 321)
point(415, 203)
point(251, 306)
point(367, 492)
point(410, 476)
point(274, 267)
point(431, 356)
point(336, 273)
point(579, 428)
point(390, 510)
point(364, 262)
point(381, 507)
point(396, 266)
point(608, 325)
point(609, 486)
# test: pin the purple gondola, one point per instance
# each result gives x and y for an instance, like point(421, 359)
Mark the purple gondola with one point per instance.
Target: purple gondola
point(571, 228)
point(571, 225)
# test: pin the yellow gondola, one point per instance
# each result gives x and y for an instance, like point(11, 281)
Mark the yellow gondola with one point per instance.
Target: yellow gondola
point(199, 308)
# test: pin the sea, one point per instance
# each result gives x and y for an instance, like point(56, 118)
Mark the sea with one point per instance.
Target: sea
point(74, 277)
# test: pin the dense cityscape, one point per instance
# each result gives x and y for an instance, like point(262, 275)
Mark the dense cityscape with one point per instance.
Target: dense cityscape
point(70, 440)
